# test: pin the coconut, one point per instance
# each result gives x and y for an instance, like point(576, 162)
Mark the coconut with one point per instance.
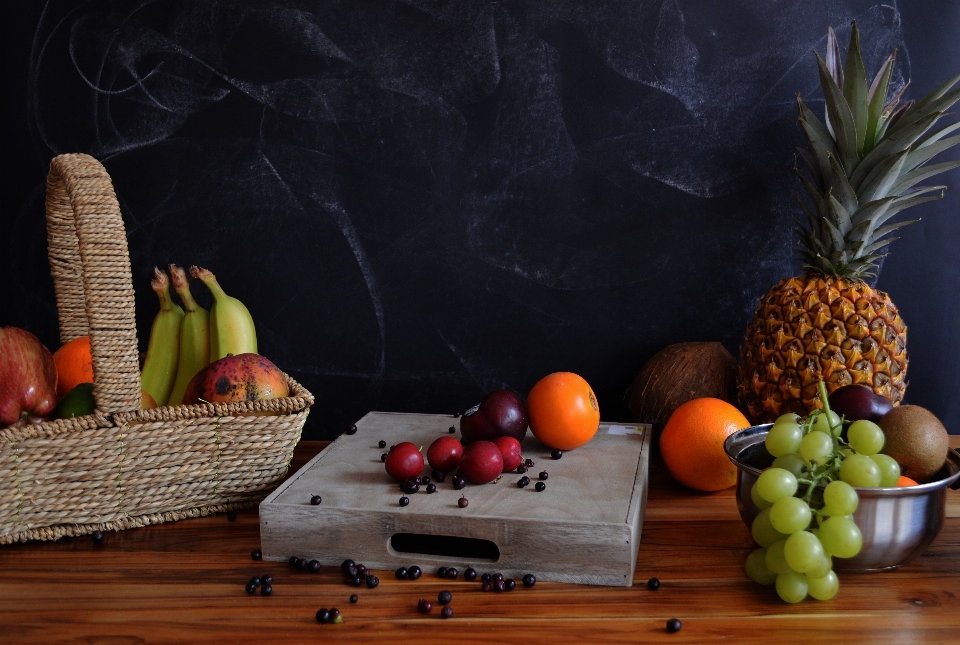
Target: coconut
point(677, 374)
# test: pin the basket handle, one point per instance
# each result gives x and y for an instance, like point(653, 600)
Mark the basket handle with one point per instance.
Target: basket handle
point(90, 264)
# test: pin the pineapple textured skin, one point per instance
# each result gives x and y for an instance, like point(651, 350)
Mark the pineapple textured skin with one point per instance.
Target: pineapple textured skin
point(816, 327)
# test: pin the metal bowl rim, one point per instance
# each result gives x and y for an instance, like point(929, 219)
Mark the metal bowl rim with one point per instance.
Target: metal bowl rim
point(953, 458)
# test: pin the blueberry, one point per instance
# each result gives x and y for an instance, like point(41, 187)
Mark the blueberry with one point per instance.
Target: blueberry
point(510, 584)
point(352, 428)
point(438, 476)
point(447, 612)
point(425, 480)
point(459, 482)
point(346, 564)
point(451, 430)
point(323, 616)
point(452, 573)
point(302, 564)
point(523, 482)
point(381, 444)
point(334, 614)
point(486, 577)
point(456, 415)
point(356, 581)
point(424, 606)
point(442, 572)
point(354, 598)
point(401, 573)
point(529, 580)
point(486, 587)
point(444, 597)
point(315, 500)
point(556, 453)
point(313, 566)
point(414, 572)
point(256, 554)
point(255, 581)
point(653, 584)
point(540, 487)
point(500, 585)
point(232, 516)
point(673, 626)
point(470, 574)
point(266, 590)
point(544, 475)
point(266, 579)
point(251, 588)
point(383, 457)
point(404, 500)
point(372, 581)
point(431, 488)
point(521, 468)
point(97, 537)
point(293, 561)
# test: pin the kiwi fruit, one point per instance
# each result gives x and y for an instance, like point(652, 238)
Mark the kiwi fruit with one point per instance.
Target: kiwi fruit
point(917, 440)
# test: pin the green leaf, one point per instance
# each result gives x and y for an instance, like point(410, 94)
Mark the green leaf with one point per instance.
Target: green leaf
point(902, 204)
point(871, 210)
point(889, 228)
point(877, 184)
point(813, 167)
point(875, 98)
point(820, 142)
point(836, 237)
point(842, 189)
point(923, 154)
point(855, 87)
point(811, 218)
point(815, 197)
point(914, 114)
point(920, 174)
point(890, 145)
point(839, 215)
point(841, 119)
point(936, 93)
point(936, 136)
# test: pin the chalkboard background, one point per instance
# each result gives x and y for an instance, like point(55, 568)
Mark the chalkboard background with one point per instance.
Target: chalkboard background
point(422, 201)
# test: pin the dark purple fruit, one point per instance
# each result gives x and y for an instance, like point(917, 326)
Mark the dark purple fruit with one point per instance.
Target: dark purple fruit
point(463, 502)
point(444, 597)
point(334, 614)
point(266, 590)
point(486, 577)
point(361, 571)
point(294, 559)
point(372, 581)
point(556, 453)
point(356, 581)
point(442, 572)
point(266, 579)
point(856, 402)
point(486, 587)
point(438, 476)
point(523, 482)
point(414, 572)
point(500, 414)
point(673, 626)
point(400, 573)
point(315, 500)
point(354, 598)
point(381, 444)
point(256, 554)
point(323, 616)
point(452, 573)
point(470, 574)
point(529, 580)
point(653, 584)
point(510, 584)
point(313, 566)
point(447, 612)
point(424, 606)
point(459, 482)
point(540, 487)
point(431, 488)
point(97, 537)
point(404, 500)
point(251, 588)
point(352, 428)
point(232, 516)
point(345, 566)
point(544, 475)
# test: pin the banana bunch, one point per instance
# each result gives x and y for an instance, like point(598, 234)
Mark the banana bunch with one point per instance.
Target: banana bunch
point(184, 342)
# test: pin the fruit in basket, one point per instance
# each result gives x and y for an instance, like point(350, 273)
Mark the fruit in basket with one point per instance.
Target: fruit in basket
point(564, 413)
point(146, 401)
point(859, 403)
point(160, 366)
point(74, 363)
point(28, 377)
point(234, 379)
point(692, 443)
point(78, 402)
point(231, 326)
point(500, 414)
point(444, 454)
point(194, 336)
point(863, 168)
point(917, 440)
point(481, 462)
point(404, 461)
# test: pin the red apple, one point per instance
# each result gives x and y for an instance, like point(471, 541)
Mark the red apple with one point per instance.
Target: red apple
point(500, 414)
point(510, 450)
point(28, 377)
point(404, 461)
point(444, 454)
point(481, 462)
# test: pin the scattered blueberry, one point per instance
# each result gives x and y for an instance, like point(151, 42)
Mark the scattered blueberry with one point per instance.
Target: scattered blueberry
point(361, 571)
point(293, 561)
point(653, 584)
point(451, 429)
point(529, 580)
point(401, 573)
point(97, 537)
point(556, 453)
point(486, 587)
point(404, 500)
point(302, 564)
point(345, 566)
point(456, 415)
point(372, 581)
point(424, 606)
point(444, 597)
point(323, 616)
point(438, 476)
point(334, 614)
point(266, 590)
point(251, 588)
point(352, 428)
point(354, 598)
point(425, 480)
point(459, 482)
point(356, 581)
point(313, 566)
point(315, 500)
point(544, 475)
point(431, 488)
point(510, 584)
point(256, 554)
point(521, 469)
point(452, 573)
point(266, 579)
point(382, 444)
point(442, 572)
point(383, 457)
point(414, 572)
point(540, 487)
point(232, 516)
point(463, 502)
point(673, 626)
point(447, 612)
point(499, 585)
point(255, 581)
point(523, 482)
point(470, 574)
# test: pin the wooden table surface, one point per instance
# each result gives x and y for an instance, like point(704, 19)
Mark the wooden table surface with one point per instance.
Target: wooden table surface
point(184, 582)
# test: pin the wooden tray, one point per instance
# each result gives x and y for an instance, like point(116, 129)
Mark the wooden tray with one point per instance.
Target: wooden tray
point(584, 528)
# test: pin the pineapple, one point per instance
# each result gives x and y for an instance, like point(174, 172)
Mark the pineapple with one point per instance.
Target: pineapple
point(863, 166)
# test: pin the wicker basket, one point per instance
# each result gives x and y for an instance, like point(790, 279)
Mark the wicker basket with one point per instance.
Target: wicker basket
point(121, 466)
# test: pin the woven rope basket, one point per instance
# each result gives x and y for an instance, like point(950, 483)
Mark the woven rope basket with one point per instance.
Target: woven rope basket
point(123, 467)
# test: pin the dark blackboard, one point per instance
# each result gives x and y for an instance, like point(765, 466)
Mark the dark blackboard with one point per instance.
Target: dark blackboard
point(422, 201)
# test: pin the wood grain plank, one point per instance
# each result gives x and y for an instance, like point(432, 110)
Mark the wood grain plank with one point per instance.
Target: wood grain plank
point(183, 583)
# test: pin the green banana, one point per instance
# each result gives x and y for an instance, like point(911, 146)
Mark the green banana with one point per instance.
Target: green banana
point(231, 326)
point(163, 352)
point(194, 336)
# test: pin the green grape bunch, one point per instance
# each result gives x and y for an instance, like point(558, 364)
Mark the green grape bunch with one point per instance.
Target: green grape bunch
point(807, 499)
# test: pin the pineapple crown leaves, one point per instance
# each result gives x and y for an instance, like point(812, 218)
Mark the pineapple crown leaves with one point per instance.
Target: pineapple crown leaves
point(865, 160)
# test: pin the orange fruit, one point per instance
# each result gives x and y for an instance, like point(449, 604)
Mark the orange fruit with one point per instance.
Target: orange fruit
point(691, 443)
point(905, 481)
point(563, 411)
point(74, 364)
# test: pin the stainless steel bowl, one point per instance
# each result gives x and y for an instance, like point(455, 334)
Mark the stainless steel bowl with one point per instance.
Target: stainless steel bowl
point(897, 523)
